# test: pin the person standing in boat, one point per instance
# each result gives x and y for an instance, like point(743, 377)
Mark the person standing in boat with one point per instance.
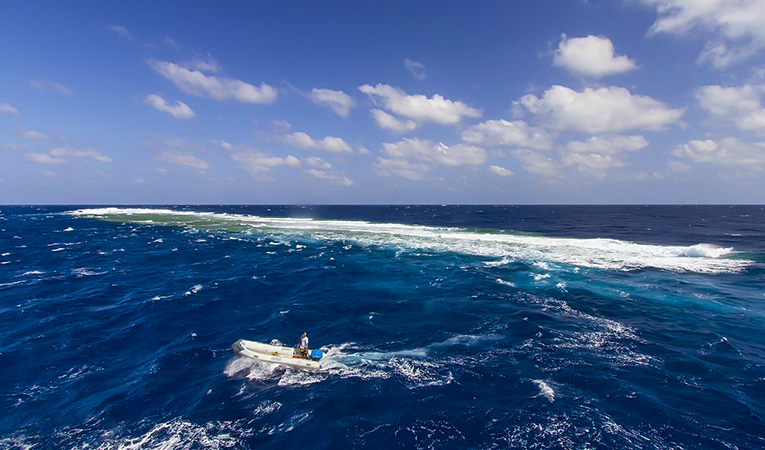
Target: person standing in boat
point(303, 345)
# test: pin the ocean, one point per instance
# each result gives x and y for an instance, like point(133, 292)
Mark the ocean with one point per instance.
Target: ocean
point(444, 327)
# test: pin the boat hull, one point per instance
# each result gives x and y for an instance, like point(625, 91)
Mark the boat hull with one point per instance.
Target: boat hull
point(273, 354)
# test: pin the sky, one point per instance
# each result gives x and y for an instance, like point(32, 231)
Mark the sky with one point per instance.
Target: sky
point(382, 102)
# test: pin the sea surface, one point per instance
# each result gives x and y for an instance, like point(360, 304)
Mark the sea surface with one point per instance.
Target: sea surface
point(444, 327)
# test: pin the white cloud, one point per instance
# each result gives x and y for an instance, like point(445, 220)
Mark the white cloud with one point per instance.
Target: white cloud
point(728, 152)
point(180, 110)
point(316, 162)
point(182, 158)
point(32, 134)
point(337, 101)
point(205, 63)
point(323, 170)
point(734, 27)
point(362, 150)
point(45, 85)
point(602, 110)
point(423, 150)
point(389, 122)
point(501, 171)
point(259, 164)
point(330, 176)
point(120, 31)
point(741, 105)
point(678, 167)
point(57, 155)
point(420, 108)
point(412, 158)
point(537, 163)
point(44, 158)
point(6, 108)
point(195, 82)
point(222, 144)
point(414, 171)
point(329, 143)
point(417, 69)
point(281, 126)
point(591, 56)
point(170, 42)
point(88, 153)
point(504, 133)
point(593, 163)
point(608, 145)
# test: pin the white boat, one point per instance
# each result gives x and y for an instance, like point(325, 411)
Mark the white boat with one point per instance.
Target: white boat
point(274, 354)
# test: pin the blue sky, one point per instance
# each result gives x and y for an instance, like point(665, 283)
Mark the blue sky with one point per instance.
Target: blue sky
point(634, 101)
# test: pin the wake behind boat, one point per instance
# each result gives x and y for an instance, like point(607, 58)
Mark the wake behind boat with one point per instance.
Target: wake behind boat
point(274, 354)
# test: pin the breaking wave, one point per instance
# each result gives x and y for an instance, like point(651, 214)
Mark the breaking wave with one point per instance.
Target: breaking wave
point(504, 247)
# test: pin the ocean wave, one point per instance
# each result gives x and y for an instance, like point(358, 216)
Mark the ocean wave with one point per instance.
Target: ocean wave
point(506, 247)
point(178, 434)
point(545, 390)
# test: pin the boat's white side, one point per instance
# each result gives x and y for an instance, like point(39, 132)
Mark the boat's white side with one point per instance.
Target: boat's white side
point(273, 354)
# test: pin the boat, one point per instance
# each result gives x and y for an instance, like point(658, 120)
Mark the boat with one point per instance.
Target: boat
point(275, 354)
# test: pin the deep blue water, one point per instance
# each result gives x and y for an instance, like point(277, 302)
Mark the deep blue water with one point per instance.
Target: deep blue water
point(602, 327)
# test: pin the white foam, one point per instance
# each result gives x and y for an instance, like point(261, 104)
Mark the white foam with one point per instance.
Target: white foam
point(178, 434)
point(32, 272)
point(194, 289)
point(85, 272)
point(68, 229)
point(506, 247)
point(545, 390)
point(506, 283)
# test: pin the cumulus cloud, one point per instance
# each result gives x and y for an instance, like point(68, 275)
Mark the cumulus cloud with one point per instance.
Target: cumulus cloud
point(608, 145)
point(601, 110)
point(45, 85)
point(88, 153)
point(205, 63)
point(741, 105)
point(57, 155)
point(733, 27)
point(120, 31)
point(281, 126)
point(259, 164)
point(678, 167)
point(420, 108)
point(180, 110)
point(593, 163)
point(170, 42)
point(729, 151)
point(329, 143)
point(414, 171)
point(417, 69)
point(195, 82)
point(412, 158)
point(182, 158)
point(536, 162)
point(390, 123)
point(323, 170)
point(318, 163)
point(32, 134)
point(44, 158)
point(505, 133)
point(337, 101)
point(591, 56)
point(6, 108)
point(423, 150)
point(501, 171)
